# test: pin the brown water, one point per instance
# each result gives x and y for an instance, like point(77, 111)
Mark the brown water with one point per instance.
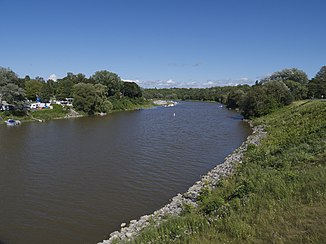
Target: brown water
point(75, 181)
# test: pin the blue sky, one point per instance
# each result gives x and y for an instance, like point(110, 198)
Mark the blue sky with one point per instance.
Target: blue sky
point(163, 43)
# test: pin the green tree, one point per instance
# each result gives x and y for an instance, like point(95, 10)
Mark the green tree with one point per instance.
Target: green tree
point(102, 104)
point(11, 89)
point(317, 86)
point(46, 92)
point(12, 94)
point(235, 99)
point(91, 98)
point(131, 89)
point(8, 76)
point(84, 97)
point(256, 103)
point(78, 78)
point(293, 74)
point(278, 92)
point(63, 89)
point(111, 80)
point(297, 90)
point(33, 89)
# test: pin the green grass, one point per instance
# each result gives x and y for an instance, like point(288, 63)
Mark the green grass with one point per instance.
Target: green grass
point(124, 104)
point(48, 114)
point(57, 112)
point(276, 196)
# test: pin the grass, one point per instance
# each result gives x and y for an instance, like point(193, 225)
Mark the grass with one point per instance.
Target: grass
point(59, 112)
point(45, 114)
point(276, 196)
point(125, 104)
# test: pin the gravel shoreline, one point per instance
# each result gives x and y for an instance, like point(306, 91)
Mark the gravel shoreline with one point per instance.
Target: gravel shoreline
point(175, 207)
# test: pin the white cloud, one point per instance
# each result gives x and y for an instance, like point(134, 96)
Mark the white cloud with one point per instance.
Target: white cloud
point(170, 82)
point(53, 77)
point(190, 84)
point(154, 83)
point(244, 79)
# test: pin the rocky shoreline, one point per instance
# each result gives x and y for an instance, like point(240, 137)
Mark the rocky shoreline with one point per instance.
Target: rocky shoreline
point(189, 198)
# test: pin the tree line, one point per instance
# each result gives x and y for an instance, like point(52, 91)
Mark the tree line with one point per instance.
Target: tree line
point(101, 92)
point(266, 95)
point(105, 91)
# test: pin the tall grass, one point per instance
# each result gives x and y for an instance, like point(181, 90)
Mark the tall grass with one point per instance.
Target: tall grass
point(276, 196)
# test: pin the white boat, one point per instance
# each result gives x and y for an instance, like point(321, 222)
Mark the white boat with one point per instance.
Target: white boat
point(169, 105)
point(11, 122)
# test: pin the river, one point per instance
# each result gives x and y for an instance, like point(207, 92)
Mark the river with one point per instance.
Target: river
point(76, 180)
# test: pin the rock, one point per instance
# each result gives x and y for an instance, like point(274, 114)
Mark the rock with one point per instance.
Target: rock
point(175, 207)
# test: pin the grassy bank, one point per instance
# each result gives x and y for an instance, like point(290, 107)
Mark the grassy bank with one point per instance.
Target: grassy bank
point(125, 104)
point(277, 194)
point(59, 112)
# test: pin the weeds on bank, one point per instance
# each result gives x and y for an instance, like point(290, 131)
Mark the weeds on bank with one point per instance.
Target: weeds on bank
point(277, 195)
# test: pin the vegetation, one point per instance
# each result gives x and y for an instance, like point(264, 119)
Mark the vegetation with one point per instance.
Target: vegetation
point(11, 89)
point(317, 86)
point(103, 92)
point(264, 97)
point(45, 114)
point(277, 194)
point(48, 114)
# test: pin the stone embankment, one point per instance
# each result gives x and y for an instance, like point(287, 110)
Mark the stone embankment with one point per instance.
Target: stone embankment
point(72, 114)
point(189, 198)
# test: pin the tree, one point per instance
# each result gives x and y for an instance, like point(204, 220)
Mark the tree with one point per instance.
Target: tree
point(131, 89)
point(46, 92)
point(102, 104)
point(12, 94)
point(40, 79)
point(297, 90)
point(111, 80)
point(8, 76)
point(235, 98)
point(64, 89)
point(10, 91)
point(84, 97)
point(256, 103)
point(262, 99)
point(91, 98)
point(33, 89)
point(78, 78)
point(317, 86)
point(293, 74)
point(278, 92)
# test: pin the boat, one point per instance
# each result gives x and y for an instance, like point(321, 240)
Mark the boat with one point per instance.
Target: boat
point(11, 122)
point(169, 105)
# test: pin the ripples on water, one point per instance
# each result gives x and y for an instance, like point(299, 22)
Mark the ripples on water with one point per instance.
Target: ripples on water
point(75, 181)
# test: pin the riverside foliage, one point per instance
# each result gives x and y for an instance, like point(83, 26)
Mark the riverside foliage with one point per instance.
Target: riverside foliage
point(91, 95)
point(265, 96)
point(276, 195)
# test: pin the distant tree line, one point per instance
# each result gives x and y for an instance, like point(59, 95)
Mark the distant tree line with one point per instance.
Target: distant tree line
point(98, 93)
point(104, 91)
point(266, 95)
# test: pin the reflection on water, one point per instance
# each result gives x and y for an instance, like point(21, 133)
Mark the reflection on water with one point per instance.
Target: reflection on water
point(75, 181)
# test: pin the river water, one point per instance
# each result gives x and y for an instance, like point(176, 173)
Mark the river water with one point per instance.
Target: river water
point(76, 180)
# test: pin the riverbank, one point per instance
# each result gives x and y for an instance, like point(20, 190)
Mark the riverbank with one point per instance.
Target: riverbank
point(270, 190)
point(189, 199)
point(60, 112)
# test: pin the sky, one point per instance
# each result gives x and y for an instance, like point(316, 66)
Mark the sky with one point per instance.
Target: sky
point(163, 43)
